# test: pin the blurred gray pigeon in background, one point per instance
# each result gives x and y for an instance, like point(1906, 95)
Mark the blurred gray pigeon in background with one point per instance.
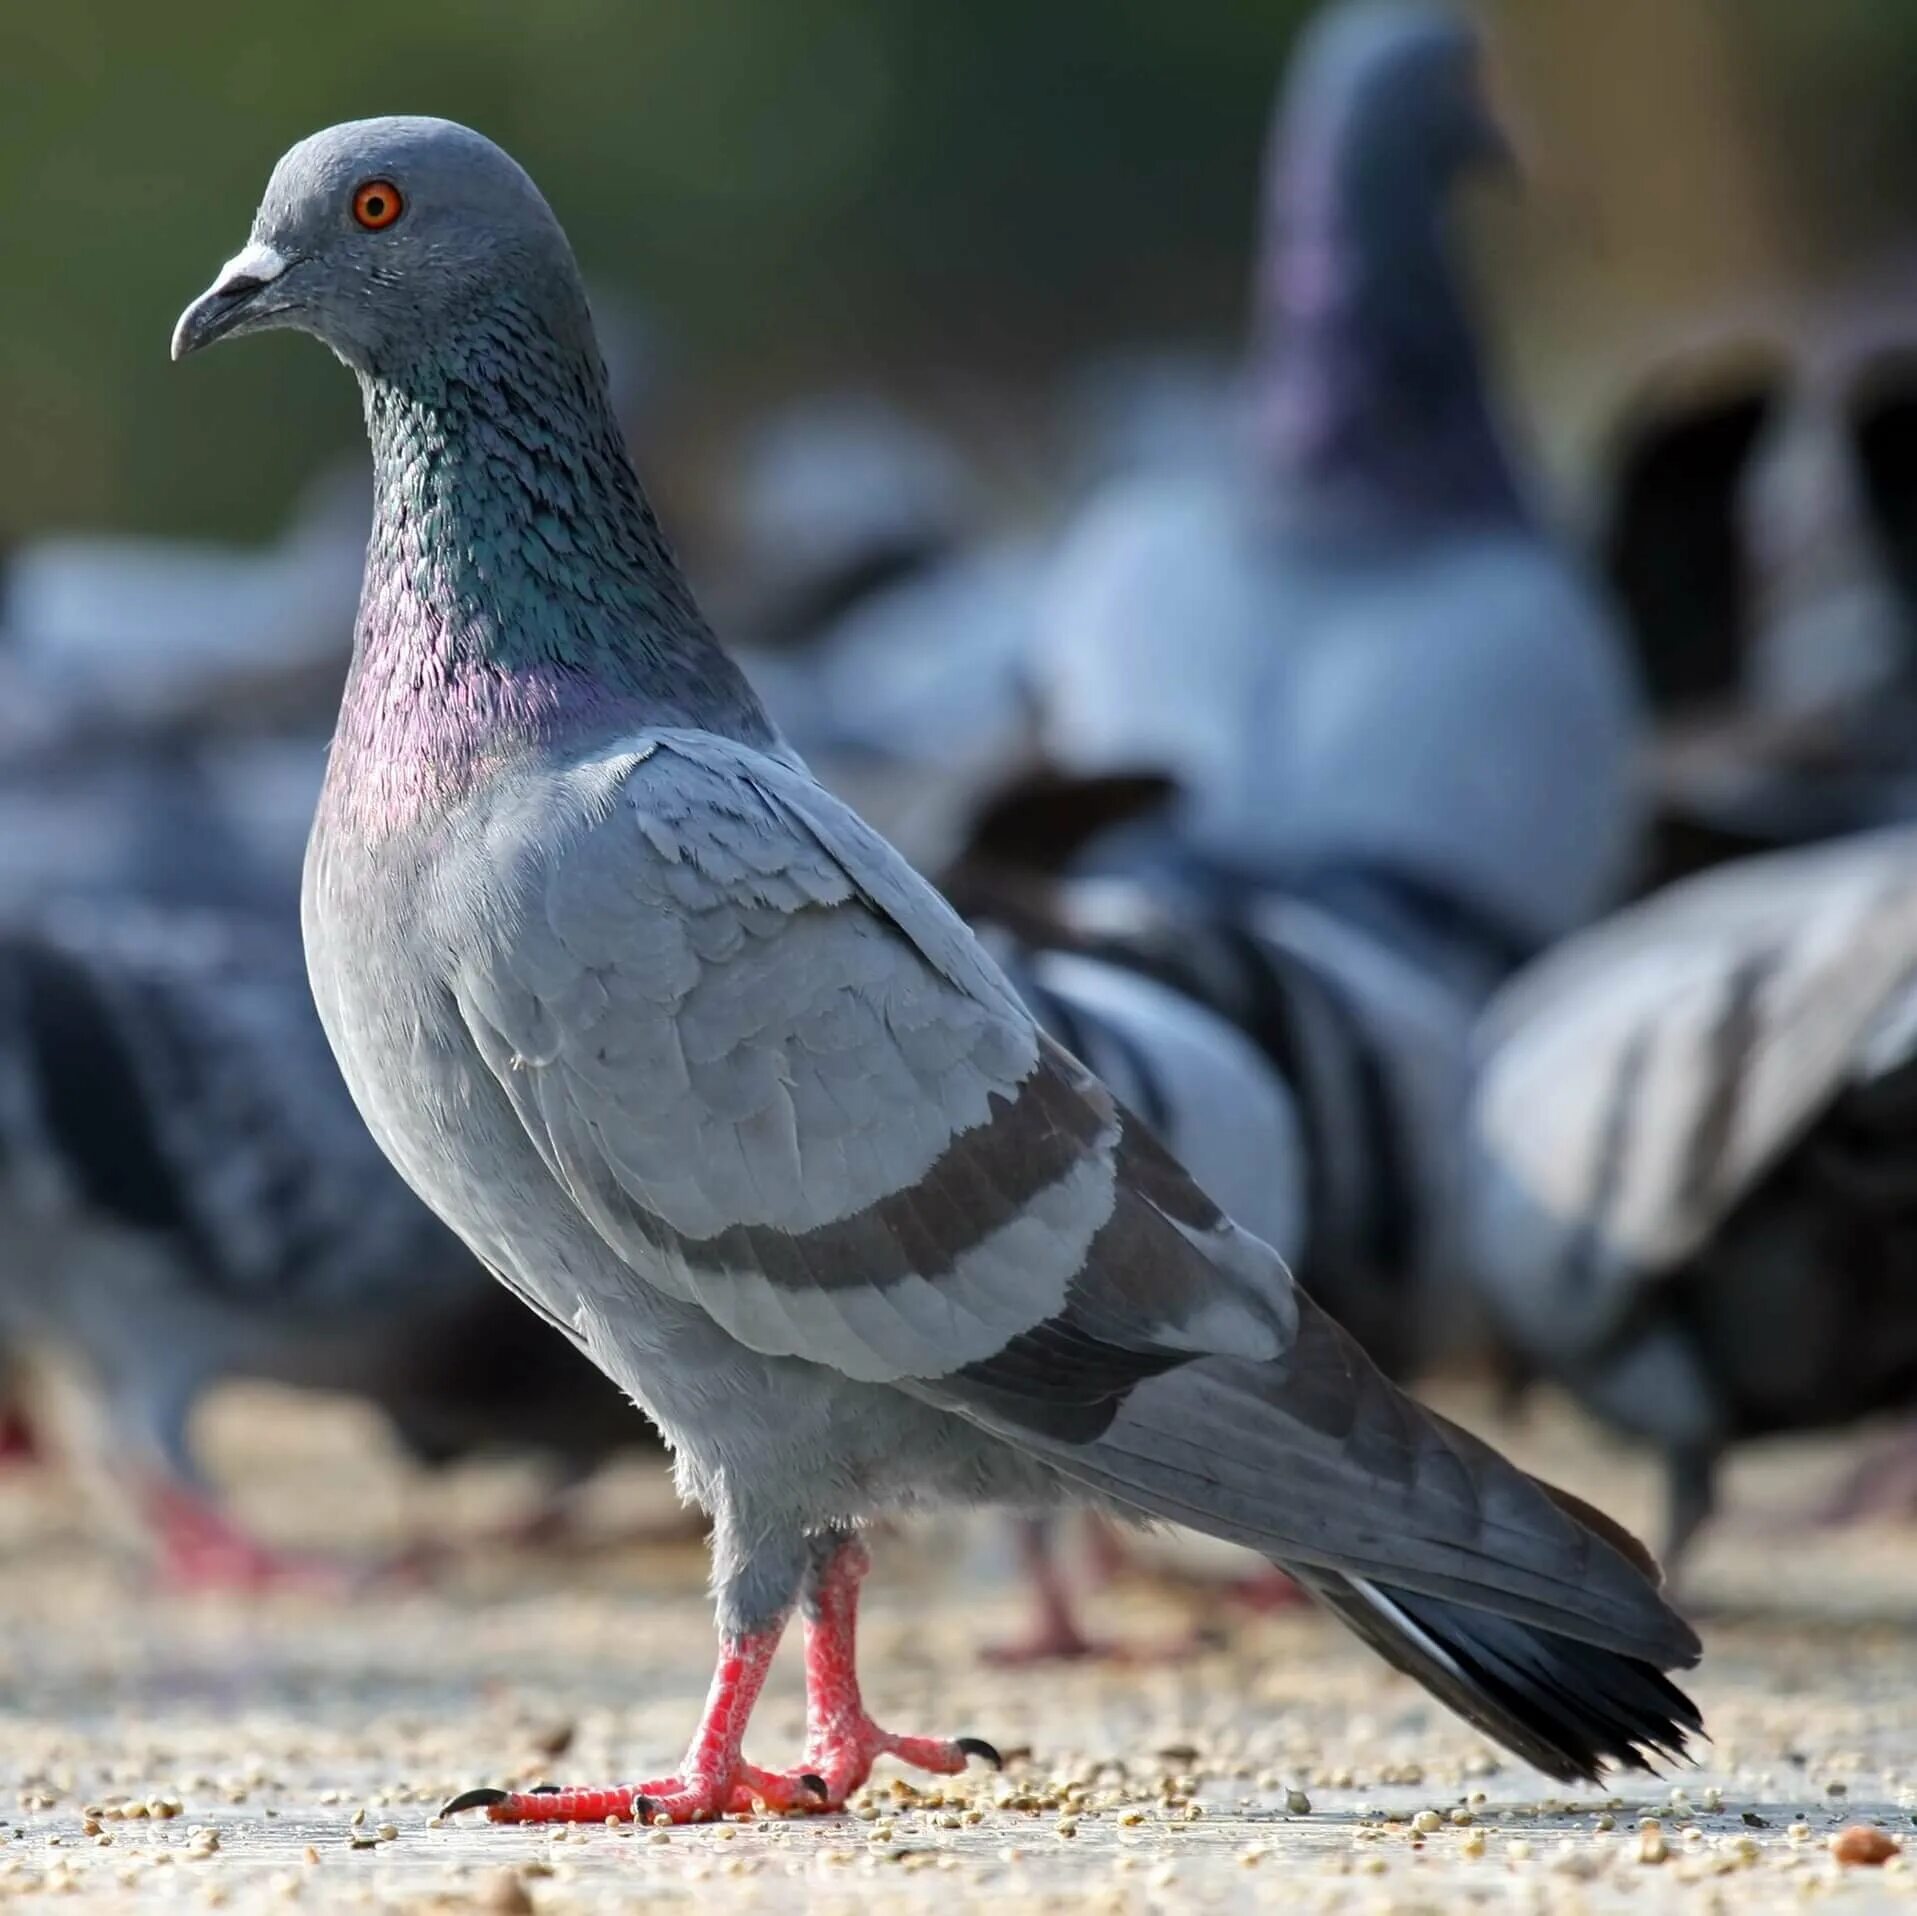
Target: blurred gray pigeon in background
point(1149, 410)
point(1399, 721)
point(130, 631)
point(1760, 531)
point(711, 1078)
point(187, 1196)
point(1372, 672)
point(1696, 1202)
point(884, 624)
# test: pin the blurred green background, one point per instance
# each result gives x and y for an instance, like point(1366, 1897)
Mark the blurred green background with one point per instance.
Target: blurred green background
point(942, 198)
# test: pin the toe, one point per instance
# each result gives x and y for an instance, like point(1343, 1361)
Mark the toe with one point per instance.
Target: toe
point(941, 1755)
point(783, 1791)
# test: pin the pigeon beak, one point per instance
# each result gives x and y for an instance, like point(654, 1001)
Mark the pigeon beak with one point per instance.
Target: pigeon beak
point(232, 302)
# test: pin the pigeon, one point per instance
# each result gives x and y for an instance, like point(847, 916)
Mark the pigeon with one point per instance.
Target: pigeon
point(187, 1196)
point(712, 1079)
point(1359, 653)
point(887, 632)
point(1399, 721)
point(1760, 532)
point(1301, 1069)
point(148, 631)
point(1695, 1193)
point(1121, 1000)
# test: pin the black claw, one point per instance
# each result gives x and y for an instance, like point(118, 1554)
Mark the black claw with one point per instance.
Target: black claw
point(977, 1746)
point(812, 1781)
point(641, 1808)
point(474, 1800)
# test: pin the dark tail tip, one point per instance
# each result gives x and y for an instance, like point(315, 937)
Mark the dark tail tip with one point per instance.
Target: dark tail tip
point(1570, 1708)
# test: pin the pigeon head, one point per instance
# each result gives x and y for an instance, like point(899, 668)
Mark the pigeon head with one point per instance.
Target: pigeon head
point(517, 588)
point(1389, 95)
point(381, 237)
point(1368, 354)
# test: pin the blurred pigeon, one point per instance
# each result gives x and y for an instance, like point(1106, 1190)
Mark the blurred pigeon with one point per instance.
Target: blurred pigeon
point(727, 1093)
point(1671, 538)
point(1697, 1198)
point(166, 816)
point(151, 631)
point(1400, 721)
point(886, 631)
point(188, 1196)
point(1761, 532)
point(1135, 412)
point(1361, 657)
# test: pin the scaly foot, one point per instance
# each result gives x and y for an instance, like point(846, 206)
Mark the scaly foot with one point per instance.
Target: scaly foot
point(695, 1798)
point(825, 1779)
point(841, 1744)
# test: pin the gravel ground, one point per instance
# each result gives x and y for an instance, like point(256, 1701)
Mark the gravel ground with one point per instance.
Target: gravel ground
point(292, 1750)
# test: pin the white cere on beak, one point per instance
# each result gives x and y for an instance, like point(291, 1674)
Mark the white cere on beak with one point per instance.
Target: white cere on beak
point(254, 264)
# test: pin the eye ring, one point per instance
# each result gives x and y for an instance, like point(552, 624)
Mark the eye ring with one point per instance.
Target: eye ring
point(377, 204)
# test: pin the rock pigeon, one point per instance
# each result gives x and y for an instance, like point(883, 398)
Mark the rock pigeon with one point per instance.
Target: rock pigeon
point(1360, 653)
point(1760, 531)
point(724, 1090)
point(1696, 1203)
point(188, 1196)
point(885, 626)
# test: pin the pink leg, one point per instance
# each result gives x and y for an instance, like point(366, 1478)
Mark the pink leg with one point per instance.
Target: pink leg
point(1883, 1487)
point(1105, 1547)
point(714, 1780)
point(18, 1443)
point(203, 1549)
point(841, 1740)
point(1265, 1591)
point(1053, 1636)
point(711, 1780)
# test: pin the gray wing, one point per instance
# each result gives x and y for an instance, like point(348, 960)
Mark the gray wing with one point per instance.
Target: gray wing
point(1210, 1095)
point(1636, 1084)
point(782, 1079)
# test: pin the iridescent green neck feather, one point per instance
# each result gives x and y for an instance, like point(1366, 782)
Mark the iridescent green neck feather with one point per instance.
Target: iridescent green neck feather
point(518, 589)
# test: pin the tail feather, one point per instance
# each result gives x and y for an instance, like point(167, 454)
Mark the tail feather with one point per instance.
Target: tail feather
point(1536, 1617)
point(1565, 1706)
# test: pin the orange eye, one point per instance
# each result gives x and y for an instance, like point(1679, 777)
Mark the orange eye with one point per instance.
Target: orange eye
point(377, 204)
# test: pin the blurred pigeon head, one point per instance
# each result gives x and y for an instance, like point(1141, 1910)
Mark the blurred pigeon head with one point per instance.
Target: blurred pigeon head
point(1383, 99)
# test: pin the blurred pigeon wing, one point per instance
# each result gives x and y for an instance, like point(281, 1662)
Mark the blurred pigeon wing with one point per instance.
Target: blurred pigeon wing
point(1638, 1082)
